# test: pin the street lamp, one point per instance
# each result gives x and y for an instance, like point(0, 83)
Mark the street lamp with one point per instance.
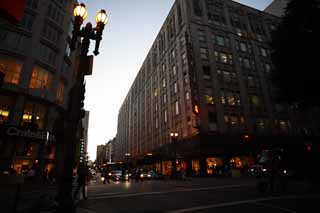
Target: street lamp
point(75, 111)
point(174, 137)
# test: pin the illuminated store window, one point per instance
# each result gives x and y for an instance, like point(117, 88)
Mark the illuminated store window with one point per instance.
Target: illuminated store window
point(6, 103)
point(34, 113)
point(11, 68)
point(40, 79)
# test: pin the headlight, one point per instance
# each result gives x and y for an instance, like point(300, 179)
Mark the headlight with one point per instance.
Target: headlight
point(285, 171)
point(149, 175)
point(141, 175)
point(264, 170)
point(109, 173)
point(102, 178)
point(252, 170)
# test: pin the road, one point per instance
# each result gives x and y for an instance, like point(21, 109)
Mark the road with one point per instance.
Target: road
point(219, 195)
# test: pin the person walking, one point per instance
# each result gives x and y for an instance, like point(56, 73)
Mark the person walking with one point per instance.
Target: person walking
point(83, 174)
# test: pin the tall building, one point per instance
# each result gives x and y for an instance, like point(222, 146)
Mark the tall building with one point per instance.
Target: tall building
point(39, 70)
point(101, 156)
point(110, 150)
point(206, 77)
point(277, 7)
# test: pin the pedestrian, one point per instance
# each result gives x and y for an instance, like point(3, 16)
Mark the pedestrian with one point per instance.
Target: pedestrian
point(83, 174)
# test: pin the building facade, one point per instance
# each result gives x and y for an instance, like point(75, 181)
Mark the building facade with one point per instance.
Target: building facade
point(101, 156)
point(39, 69)
point(277, 7)
point(206, 77)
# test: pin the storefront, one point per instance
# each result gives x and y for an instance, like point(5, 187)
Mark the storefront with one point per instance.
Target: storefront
point(31, 148)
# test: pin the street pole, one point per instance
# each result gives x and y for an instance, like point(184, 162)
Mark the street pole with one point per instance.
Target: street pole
point(75, 111)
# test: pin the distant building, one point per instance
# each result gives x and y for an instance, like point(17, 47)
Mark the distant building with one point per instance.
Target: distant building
point(110, 150)
point(101, 155)
point(206, 77)
point(277, 7)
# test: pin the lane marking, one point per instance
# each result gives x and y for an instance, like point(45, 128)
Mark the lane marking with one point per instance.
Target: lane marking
point(235, 203)
point(171, 191)
point(275, 207)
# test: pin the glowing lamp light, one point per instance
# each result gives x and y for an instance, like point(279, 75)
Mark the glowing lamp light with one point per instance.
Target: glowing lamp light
point(102, 17)
point(171, 134)
point(176, 134)
point(80, 10)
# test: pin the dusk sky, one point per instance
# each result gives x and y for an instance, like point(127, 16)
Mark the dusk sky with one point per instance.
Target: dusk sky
point(133, 26)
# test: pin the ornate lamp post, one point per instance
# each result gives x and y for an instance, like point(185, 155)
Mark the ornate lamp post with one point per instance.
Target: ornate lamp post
point(75, 111)
point(174, 137)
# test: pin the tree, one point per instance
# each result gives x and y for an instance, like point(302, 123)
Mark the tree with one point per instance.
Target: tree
point(295, 54)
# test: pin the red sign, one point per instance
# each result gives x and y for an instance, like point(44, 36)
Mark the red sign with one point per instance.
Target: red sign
point(12, 9)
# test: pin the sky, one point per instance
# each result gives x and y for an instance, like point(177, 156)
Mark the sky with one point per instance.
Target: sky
point(133, 25)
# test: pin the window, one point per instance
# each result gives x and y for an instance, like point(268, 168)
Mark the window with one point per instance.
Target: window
point(64, 66)
point(204, 54)
point(209, 99)
point(32, 4)
point(243, 47)
point(177, 107)
point(40, 78)
point(34, 113)
point(174, 70)
point(12, 70)
point(201, 36)
point(163, 68)
point(197, 9)
point(267, 68)
point(175, 87)
point(246, 63)
point(47, 54)
point(184, 58)
point(251, 82)
point(50, 33)
point(60, 92)
point(263, 52)
point(164, 98)
point(220, 40)
point(27, 22)
point(157, 123)
point(55, 13)
point(164, 82)
point(206, 72)
point(187, 95)
point(223, 57)
point(165, 116)
point(6, 103)
point(255, 100)
point(234, 120)
point(231, 99)
point(173, 54)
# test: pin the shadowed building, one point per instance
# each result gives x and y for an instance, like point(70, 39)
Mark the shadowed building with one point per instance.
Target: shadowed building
point(206, 77)
point(38, 73)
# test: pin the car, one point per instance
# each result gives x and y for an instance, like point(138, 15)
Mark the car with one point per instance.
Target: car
point(155, 175)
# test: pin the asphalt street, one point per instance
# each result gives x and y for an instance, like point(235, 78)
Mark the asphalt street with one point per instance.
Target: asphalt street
point(221, 195)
